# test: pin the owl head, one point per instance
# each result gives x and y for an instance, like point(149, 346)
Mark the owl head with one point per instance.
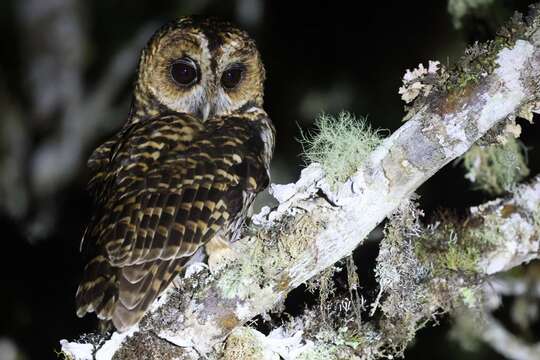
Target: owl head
point(200, 66)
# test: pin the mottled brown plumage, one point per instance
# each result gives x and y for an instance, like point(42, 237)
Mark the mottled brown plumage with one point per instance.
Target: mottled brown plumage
point(183, 170)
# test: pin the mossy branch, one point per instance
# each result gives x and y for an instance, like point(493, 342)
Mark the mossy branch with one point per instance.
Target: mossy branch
point(424, 271)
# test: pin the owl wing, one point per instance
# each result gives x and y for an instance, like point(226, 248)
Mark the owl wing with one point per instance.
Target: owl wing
point(163, 189)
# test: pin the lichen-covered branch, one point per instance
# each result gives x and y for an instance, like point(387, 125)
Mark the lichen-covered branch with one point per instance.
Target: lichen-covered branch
point(316, 223)
point(415, 288)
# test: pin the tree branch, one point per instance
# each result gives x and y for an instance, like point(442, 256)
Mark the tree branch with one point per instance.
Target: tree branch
point(506, 343)
point(413, 292)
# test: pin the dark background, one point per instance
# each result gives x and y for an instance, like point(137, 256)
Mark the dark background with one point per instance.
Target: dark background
point(319, 56)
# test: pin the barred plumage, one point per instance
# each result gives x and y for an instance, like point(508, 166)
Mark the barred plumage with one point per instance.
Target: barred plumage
point(177, 175)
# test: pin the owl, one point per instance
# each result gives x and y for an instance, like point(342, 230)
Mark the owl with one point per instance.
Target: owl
point(179, 177)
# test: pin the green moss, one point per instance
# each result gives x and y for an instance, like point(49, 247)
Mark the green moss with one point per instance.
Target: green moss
point(243, 344)
point(340, 145)
point(295, 235)
point(323, 352)
point(349, 338)
point(495, 169)
point(457, 258)
point(469, 297)
point(453, 246)
point(234, 283)
point(326, 290)
point(488, 234)
point(62, 355)
point(449, 248)
point(480, 59)
point(267, 254)
point(245, 275)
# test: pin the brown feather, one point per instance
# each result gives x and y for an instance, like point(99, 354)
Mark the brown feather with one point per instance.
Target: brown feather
point(168, 182)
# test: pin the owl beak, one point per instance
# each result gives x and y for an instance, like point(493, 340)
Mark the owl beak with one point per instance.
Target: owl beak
point(205, 111)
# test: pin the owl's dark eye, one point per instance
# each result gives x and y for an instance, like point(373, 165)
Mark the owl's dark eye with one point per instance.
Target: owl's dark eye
point(184, 72)
point(232, 76)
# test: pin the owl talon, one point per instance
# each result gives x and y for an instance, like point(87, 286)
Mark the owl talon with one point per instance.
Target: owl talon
point(220, 255)
point(194, 269)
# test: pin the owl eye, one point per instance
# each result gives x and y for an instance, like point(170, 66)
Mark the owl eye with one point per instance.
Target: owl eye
point(184, 72)
point(232, 76)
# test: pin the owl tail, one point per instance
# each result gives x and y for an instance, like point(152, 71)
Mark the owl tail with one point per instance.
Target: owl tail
point(123, 294)
point(97, 291)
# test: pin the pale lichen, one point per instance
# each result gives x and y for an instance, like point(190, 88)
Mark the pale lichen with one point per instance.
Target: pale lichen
point(322, 352)
point(404, 298)
point(237, 282)
point(496, 168)
point(325, 283)
point(469, 297)
point(450, 246)
point(340, 144)
point(62, 355)
point(331, 339)
point(418, 81)
point(246, 343)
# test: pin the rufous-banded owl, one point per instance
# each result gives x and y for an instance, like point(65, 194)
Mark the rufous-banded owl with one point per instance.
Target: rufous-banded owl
point(182, 171)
